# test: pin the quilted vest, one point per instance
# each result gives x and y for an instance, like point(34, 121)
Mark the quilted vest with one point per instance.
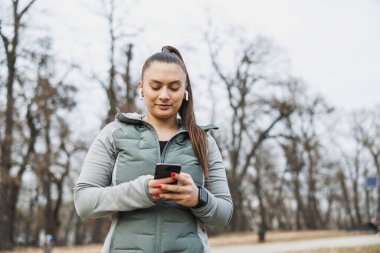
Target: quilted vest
point(167, 226)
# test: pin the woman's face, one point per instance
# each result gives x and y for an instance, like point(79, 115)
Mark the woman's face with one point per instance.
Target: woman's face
point(163, 89)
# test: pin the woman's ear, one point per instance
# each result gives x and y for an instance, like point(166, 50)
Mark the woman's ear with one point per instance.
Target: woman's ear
point(140, 91)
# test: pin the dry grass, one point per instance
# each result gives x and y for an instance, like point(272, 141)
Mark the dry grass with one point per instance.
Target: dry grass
point(362, 249)
point(93, 248)
point(231, 239)
point(251, 238)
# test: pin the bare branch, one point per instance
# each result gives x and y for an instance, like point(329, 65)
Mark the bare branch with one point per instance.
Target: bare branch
point(32, 140)
point(26, 8)
point(100, 81)
point(65, 75)
point(216, 65)
point(5, 40)
point(259, 141)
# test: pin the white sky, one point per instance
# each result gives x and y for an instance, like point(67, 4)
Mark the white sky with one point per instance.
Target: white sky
point(333, 45)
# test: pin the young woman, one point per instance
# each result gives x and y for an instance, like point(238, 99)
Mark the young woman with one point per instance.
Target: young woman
point(153, 215)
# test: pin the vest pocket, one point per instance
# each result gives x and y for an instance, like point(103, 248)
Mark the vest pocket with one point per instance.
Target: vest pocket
point(179, 231)
point(135, 232)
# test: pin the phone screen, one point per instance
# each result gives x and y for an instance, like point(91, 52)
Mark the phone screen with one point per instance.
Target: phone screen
point(163, 170)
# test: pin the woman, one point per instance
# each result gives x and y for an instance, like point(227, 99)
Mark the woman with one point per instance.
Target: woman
point(153, 215)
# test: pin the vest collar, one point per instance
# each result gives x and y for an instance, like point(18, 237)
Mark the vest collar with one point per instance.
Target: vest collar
point(136, 118)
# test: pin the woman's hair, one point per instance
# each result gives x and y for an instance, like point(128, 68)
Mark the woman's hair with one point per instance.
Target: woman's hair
point(197, 136)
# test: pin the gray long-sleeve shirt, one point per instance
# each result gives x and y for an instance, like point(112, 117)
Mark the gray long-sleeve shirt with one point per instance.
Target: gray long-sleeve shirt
point(96, 193)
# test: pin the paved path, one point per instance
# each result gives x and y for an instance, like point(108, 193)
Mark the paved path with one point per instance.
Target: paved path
point(279, 247)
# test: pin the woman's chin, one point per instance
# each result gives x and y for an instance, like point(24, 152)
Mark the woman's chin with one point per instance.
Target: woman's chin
point(164, 115)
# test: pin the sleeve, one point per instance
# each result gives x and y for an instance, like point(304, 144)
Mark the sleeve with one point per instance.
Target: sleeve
point(219, 208)
point(94, 194)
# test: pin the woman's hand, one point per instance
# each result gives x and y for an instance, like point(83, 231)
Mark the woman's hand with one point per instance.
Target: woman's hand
point(153, 183)
point(184, 193)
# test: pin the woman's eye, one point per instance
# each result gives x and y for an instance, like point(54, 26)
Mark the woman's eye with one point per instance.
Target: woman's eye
point(175, 87)
point(155, 88)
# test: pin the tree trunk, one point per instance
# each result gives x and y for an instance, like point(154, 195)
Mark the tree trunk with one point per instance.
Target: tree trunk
point(356, 200)
point(6, 228)
point(300, 204)
point(8, 203)
point(312, 217)
point(258, 189)
point(78, 231)
point(239, 221)
point(130, 104)
point(326, 220)
point(346, 198)
point(98, 229)
point(6, 185)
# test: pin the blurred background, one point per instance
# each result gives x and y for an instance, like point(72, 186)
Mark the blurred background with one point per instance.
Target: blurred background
point(293, 86)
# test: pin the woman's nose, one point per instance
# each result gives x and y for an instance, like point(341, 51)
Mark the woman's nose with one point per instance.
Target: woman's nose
point(164, 94)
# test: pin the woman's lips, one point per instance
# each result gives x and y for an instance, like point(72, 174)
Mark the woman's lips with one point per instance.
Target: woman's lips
point(163, 106)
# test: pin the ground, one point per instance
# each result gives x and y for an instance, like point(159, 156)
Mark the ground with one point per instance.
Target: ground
point(243, 239)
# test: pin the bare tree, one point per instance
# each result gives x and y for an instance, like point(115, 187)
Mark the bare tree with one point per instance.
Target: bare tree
point(367, 130)
point(112, 85)
point(120, 91)
point(128, 103)
point(110, 88)
point(53, 164)
point(355, 168)
point(9, 185)
point(42, 146)
point(45, 100)
point(295, 165)
point(302, 147)
point(246, 134)
point(269, 190)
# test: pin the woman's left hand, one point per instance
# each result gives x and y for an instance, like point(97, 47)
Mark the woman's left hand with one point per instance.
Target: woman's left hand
point(184, 193)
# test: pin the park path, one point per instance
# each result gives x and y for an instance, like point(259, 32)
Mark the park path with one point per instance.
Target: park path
point(279, 247)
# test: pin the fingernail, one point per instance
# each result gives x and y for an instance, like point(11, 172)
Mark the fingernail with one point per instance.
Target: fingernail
point(156, 195)
point(158, 186)
point(172, 174)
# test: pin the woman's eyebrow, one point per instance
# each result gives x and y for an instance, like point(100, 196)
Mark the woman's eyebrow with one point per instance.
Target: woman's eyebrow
point(159, 82)
point(175, 82)
point(154, 81)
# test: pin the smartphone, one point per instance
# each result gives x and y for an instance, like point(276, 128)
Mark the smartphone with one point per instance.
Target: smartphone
point(163, 170)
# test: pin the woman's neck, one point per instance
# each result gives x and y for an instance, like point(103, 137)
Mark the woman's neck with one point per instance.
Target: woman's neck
point(165, 128)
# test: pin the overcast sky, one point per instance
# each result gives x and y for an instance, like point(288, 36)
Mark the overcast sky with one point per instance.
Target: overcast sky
point(334, 45)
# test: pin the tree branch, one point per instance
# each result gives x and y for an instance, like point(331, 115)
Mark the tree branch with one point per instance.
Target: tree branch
point(5, 40)
point(261, 138)
point(26, 8)
point(33, 136)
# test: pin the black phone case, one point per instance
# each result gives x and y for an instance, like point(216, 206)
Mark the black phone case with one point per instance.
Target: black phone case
point(163, 170)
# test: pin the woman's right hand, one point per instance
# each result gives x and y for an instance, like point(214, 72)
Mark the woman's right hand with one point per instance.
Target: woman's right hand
point(154, 185)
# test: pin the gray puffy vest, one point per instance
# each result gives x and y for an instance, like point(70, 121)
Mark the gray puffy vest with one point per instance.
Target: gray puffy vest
point(167, 226)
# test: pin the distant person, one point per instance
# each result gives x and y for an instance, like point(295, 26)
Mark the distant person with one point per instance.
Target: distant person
point(261, 234)
point(374, 226)
point(152, 215)
point(48, 243)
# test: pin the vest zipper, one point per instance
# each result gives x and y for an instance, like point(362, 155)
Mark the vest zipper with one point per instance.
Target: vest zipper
point(161, 158)
point(167, 144)
point(158, 223)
